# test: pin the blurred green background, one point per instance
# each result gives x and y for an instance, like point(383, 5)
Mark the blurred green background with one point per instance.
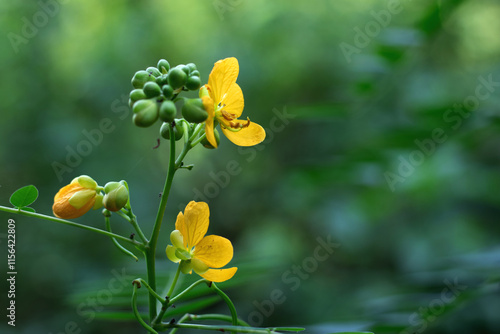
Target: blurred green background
point(383, 138)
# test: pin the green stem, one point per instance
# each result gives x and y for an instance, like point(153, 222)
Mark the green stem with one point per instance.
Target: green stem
point(229, 303)
point(191, 287)
point(132, 219)
point(70, 223)
point(151, 291)
point(193, 144)
point(151, 251)
point(117, 244)
point(220, 328)
point(136, 311)
point(166, 302)
point(221, 317)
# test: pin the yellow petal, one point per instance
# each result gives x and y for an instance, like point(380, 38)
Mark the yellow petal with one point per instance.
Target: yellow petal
point(199, 266)
point(171, 254)
point(208, 104)
point(196, 222)
point(215, 251)
point(223, 75)
point(249, 136)
point(232, 101)
point(219, 275)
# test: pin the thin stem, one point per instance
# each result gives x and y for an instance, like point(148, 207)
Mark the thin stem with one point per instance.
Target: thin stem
point(151, 252)
point(181, 320)
point(197, 141)
point(174, 282)
point(196, 132)
point(221, 317)
point(229, 303)
point(132, 219)
point(220, 328)
point(191, 287)
point(151, 291)
point(166, 302)
point(70, 223)
point(136, 311)
point(117, 244)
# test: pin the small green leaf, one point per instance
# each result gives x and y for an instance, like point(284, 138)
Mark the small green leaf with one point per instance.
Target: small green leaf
point(24, 196)
point(27, 208)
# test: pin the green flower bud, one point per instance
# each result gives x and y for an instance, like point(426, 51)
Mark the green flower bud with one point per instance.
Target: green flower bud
point(81, 198)
point(185, 68)
point(145, 113)
point(116, 199)
point(195, 73)
point(193, 111)
point(153, 71)
point(168, 111)
point(110, 186)
point(207, 144)
point(178, 130)
point(168, 91)
point(162, 80)
point(193, 83)
point(177, 239)
point(137, 94)
point(140, 78)
point(177, 78)
point(86, 182)
point(192, 67)
point(131, 103)
point(151, 89)
point(163, 66)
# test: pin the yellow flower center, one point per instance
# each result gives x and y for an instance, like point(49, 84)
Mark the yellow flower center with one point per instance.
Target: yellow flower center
point(226, 119)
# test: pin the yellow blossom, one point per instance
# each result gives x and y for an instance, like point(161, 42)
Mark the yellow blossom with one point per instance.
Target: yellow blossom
point(75, 199)
point(195, 251)
point(223, 100)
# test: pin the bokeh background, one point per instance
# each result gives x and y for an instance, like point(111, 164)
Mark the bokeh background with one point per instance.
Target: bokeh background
point(383, 124)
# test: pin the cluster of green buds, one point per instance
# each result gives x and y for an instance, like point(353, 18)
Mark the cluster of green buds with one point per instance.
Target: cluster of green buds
point(157, 88)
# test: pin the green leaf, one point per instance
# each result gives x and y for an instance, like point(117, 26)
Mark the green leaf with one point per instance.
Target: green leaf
point(24, 196)
point(27, 208)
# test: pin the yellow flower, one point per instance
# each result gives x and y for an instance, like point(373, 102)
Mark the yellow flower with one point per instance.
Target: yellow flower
point(223, 100)
point(198, 252)
point(75, 199)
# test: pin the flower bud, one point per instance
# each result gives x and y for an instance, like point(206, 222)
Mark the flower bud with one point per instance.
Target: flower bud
point(117, 198)
point(168, 111)
point(167, 91)
point(185, 68)
point(163, 66)
point(195, 73)
point(153, 71)
point(75, 199)
point(137, 94)
point(192, 67)
point(162, 80)
point(178, 130)
point(193, 83)
point(145, 113)
point(177, 78)
point(193, 111)
point(207, 144)
point(151, 89)
point(140, 78)
point(186, 267)
point(177, 239)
